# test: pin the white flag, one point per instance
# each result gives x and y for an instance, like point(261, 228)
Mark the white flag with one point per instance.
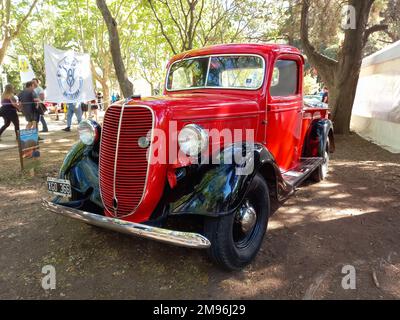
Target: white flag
point(25, 69)
point(68, 76)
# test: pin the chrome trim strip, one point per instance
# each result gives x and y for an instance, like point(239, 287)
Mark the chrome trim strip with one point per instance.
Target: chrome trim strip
point(116, 156)
point(153, 125)
point(116, 159)
point(178, 238)
point(100, 153)
point(148, 160)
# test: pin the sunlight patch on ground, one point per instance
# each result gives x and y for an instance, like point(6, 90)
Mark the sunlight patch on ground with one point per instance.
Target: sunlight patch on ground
point(274, 225)
point(366, 164)
point(339, 213)
point(341, 196)
point(24, 193)
point(300, 215)
point(6, 225)
point(328, 185)
point(7, 146)
point(63, 140)
point(243, 285)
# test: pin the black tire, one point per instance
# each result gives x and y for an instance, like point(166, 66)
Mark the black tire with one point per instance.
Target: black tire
point(321, 172)
point(231, 248)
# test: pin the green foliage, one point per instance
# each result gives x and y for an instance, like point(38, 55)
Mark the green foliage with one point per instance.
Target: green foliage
point(152, 30)
point(310, 84)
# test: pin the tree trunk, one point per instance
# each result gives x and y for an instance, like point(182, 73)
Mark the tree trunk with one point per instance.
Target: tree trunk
point(3, 49)
point(341, 76)
point(106, 94)
point(341, 99)
point(115, 48)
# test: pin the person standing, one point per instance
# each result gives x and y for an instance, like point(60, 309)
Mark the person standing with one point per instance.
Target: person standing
point(99, 96)
point(28, 105)
point(73, 108)
point(8, 110)
point(325, 95)
point(39, 94)
point(84, 108)
point(93, 109)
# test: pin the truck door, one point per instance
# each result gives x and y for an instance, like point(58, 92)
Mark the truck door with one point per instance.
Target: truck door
point(284, 111)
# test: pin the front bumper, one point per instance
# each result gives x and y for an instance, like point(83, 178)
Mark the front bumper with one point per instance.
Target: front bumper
point(177, 238)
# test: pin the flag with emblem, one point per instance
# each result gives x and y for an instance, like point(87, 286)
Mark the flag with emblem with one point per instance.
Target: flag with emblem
point(68, 76)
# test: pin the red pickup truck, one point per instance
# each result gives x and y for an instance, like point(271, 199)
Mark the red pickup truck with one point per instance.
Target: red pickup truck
point(230, 134)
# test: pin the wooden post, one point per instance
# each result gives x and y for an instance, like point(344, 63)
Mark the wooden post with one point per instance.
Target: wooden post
point(21, 160)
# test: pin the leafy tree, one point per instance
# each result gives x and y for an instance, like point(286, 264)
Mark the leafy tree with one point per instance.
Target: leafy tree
point(340, 74)
point(145, 50)
point(186, 24)
point(12, 18)
point(115, 48)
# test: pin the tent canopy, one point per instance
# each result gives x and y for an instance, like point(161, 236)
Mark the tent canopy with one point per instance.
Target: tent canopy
point(376, 109)
point(388, 53)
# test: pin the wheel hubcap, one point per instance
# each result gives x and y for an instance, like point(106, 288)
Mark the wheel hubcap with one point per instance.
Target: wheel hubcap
point(247, 218)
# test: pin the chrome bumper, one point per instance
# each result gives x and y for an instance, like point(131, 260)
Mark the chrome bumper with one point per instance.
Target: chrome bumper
point(178, 238)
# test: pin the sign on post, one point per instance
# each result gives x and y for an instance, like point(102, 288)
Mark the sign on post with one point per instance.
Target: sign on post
point(28, 145)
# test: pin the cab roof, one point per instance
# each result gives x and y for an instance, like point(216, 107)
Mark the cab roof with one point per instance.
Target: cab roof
point(242, 48)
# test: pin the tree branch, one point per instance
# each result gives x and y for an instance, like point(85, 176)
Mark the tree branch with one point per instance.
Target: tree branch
point(178, 25)
point(21, 23)
point(162, 27)
point(324, 64)
point(373, 29)
point(115, 48)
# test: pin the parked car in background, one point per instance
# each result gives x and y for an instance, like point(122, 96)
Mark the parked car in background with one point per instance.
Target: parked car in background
point(315, 101)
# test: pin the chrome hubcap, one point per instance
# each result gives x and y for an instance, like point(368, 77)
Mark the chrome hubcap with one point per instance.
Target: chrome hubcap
point(247, 217)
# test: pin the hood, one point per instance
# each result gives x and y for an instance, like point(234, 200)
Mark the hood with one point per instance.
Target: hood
point(200, 105)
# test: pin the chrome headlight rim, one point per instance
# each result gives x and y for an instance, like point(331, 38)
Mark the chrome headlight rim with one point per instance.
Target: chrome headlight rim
point(196, 147)
point(89, 127)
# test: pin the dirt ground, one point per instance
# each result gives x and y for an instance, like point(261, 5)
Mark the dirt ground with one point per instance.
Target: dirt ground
point(350, 219)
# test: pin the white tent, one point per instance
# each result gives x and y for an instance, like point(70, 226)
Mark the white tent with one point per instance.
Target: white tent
point(376, 110)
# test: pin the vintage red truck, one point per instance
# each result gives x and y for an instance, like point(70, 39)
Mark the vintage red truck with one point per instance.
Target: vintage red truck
point(249, 94)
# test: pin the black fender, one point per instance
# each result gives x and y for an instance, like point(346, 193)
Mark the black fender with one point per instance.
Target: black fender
point(317, 137)
point(80, 167)
point(218, 190)
point(74, 155)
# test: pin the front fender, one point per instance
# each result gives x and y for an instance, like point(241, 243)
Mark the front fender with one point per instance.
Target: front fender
point(81, 169)
point(73, 156)
point(219, 189)
point(317, 137)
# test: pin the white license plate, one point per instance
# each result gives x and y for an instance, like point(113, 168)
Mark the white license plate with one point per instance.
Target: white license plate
point(59, 187)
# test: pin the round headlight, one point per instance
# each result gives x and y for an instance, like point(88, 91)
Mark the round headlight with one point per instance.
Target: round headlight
point(88, 132)
point(192, 140)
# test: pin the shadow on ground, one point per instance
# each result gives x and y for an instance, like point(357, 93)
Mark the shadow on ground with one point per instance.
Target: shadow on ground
point(350, 219)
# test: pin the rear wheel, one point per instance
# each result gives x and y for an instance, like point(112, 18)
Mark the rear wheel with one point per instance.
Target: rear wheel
point(321, 172)
point(236, 238)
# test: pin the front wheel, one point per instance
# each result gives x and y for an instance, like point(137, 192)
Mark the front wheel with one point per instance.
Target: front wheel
point(236, 238)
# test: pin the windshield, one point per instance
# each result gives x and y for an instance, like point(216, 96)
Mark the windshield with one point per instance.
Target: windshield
point(229, 72)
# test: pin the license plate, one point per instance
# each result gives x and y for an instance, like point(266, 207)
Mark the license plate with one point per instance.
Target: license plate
point(59, 187)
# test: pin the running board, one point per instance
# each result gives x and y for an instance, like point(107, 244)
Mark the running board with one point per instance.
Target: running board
point(302, 171)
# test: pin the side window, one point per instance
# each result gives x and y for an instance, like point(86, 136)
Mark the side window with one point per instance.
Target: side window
point(284, 78)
